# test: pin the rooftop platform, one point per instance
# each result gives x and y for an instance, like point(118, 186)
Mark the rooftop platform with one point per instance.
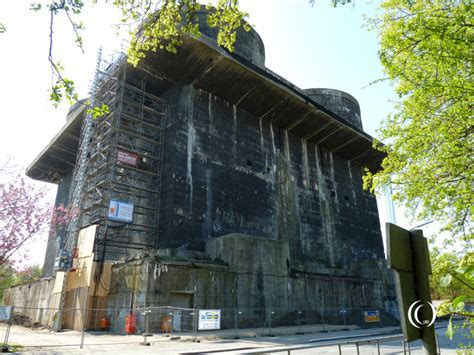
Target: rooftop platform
point(253, 88)
point(261, 92)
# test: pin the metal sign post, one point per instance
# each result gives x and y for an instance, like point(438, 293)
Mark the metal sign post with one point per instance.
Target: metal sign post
point(6, 313)
point(408, 256)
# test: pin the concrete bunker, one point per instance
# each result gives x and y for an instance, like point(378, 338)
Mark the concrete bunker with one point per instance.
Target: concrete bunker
point(246, 192)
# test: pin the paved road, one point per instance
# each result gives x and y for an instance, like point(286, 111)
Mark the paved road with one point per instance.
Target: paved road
point(47, 342)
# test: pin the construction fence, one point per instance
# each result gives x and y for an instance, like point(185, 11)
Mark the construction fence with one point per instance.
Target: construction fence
point(176, 322)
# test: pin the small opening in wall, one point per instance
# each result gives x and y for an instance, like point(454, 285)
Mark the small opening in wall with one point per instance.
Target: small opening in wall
point(269, 170)
point(249, 163)
point(346, 198)
point(333, 193)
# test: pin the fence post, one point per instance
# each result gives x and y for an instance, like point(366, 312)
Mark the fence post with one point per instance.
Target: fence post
point(270, 323)
point(299, 323)
point(84, 320)
point(146, 330)
point(236, 324)
point(194, 324)
point(41, 316)
point(171, 330)
point(343, 311)
point(83, 334)
point(324, 323)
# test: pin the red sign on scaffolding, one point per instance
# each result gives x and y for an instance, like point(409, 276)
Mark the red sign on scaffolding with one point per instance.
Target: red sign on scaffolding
point(127, 157)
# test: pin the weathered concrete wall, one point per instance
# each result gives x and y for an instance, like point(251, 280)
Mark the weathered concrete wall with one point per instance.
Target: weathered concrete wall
point(35, 300)
point(226, 171)
point(52, 248)
point(247, 274)
point(39, 301)
point(260, 266)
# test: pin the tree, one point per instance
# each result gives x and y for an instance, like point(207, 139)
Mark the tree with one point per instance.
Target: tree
point(453, 282)
point(11, 277)
point(152, 25)
point(426, 50)
point(448, 281)
point(25, 215)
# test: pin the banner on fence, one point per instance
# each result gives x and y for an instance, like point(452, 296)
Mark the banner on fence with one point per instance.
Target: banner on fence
point(371, 316)
point(209, 319)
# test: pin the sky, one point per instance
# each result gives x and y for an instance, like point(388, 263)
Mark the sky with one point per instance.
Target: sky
point(311, 46)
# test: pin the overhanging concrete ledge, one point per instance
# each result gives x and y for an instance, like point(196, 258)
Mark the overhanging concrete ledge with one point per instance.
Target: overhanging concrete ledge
point(59, 156)
point(259, 91)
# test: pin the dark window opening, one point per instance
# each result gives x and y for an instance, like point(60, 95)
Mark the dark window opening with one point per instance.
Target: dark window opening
point(249, 163)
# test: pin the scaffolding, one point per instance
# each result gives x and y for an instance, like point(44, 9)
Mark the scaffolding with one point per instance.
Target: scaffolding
point(124, 164)
point(119, 158)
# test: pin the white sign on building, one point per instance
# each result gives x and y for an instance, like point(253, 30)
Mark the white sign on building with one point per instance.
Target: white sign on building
point(120, 211)
point(209, 319)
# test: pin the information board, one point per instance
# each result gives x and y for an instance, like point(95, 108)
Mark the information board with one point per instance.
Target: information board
point(120, 211)
point(5, 312)
point(209, 319)
point(371, 316)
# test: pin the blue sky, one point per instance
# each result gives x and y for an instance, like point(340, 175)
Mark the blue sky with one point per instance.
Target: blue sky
point(318, 46)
